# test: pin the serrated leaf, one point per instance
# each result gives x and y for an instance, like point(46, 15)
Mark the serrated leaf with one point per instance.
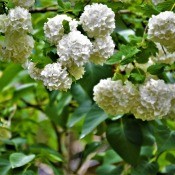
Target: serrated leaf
point(125, 55)
point(165, 6)
point(20, 159)
point(125, 137)
point(60, 3)
point(137, 75)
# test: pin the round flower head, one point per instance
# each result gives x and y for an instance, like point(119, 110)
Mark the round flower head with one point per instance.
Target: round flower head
point(19, 20)
point(55, 77)
point(154, 101)
point(103, 48)
point(33, 71)
point(155, 2)
point(97, 20)
point(163, 56)
point(3, 22)
point(114, 97)
point(54, 30)
point(18, 47)
point(74, 48)
point(24, 3)
point(162, 29)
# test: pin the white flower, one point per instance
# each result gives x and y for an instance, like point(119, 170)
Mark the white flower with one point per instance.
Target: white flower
point(114, 97)
point(55, 77)
point(24, 3)
point(19, 19)
point(103, 48)
point(155, 2)
point(74, 48)
point(97, 20)
point(54, 30)
point(18, 47)
point(3, 22)
point(33, 71)
point(76, 72)
point(154, 101)
point(164, 56)
point(162, 29)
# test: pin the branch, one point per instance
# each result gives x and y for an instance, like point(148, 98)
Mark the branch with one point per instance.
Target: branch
point(43, 10)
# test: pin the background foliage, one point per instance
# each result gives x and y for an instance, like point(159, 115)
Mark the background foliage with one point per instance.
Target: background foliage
point(66, 132)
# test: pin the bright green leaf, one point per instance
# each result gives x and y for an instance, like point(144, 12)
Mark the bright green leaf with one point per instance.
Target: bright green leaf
point(20, 159)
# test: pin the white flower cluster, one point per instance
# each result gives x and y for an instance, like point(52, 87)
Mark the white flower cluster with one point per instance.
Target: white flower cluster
point(114, 97)
point(161, 29)
point(163, 56)
point(55, 77)
point(54, 30)
point(103, 48)
point(152, 100)
point(24, 3)
point(155, 100)
point(75, 49)
point(155, 2)
point(17, 45)
point(97, 20)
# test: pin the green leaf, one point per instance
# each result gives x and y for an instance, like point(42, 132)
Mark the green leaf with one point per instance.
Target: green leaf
point(125, 137)
point(145, 168)
point(9, 74)
point(60, 3)
point(125, 55)
point(165, 6)
point(156, 69)
point(137, 75)
point(47, 153)
point(20, 159)
point(66, 26)
point(149, 10)
point(24, 90)
point(93, 74)
point(4, 166)
point(165, 138)
point(93, 118)
point(109, 170)
point(79, 113)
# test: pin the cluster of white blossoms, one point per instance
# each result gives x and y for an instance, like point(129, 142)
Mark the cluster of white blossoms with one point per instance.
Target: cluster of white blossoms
point(161, 29)
point(97, 20)
point(163, 56)
point(75, 49)
point(56, 77)
point(16, 26)
point(53, 28)
point(114, 97)
point(152, 100)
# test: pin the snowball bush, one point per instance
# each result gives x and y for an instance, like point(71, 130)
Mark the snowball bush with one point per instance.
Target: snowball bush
point(154, 100)
point(114, 97)
point(55, 77)
point(161, 29)
point(103, 48)
point(19, 19)
point(74, 48)
point(97, 20)
point(18, 47)
point(3, 22)
point(54, 30)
